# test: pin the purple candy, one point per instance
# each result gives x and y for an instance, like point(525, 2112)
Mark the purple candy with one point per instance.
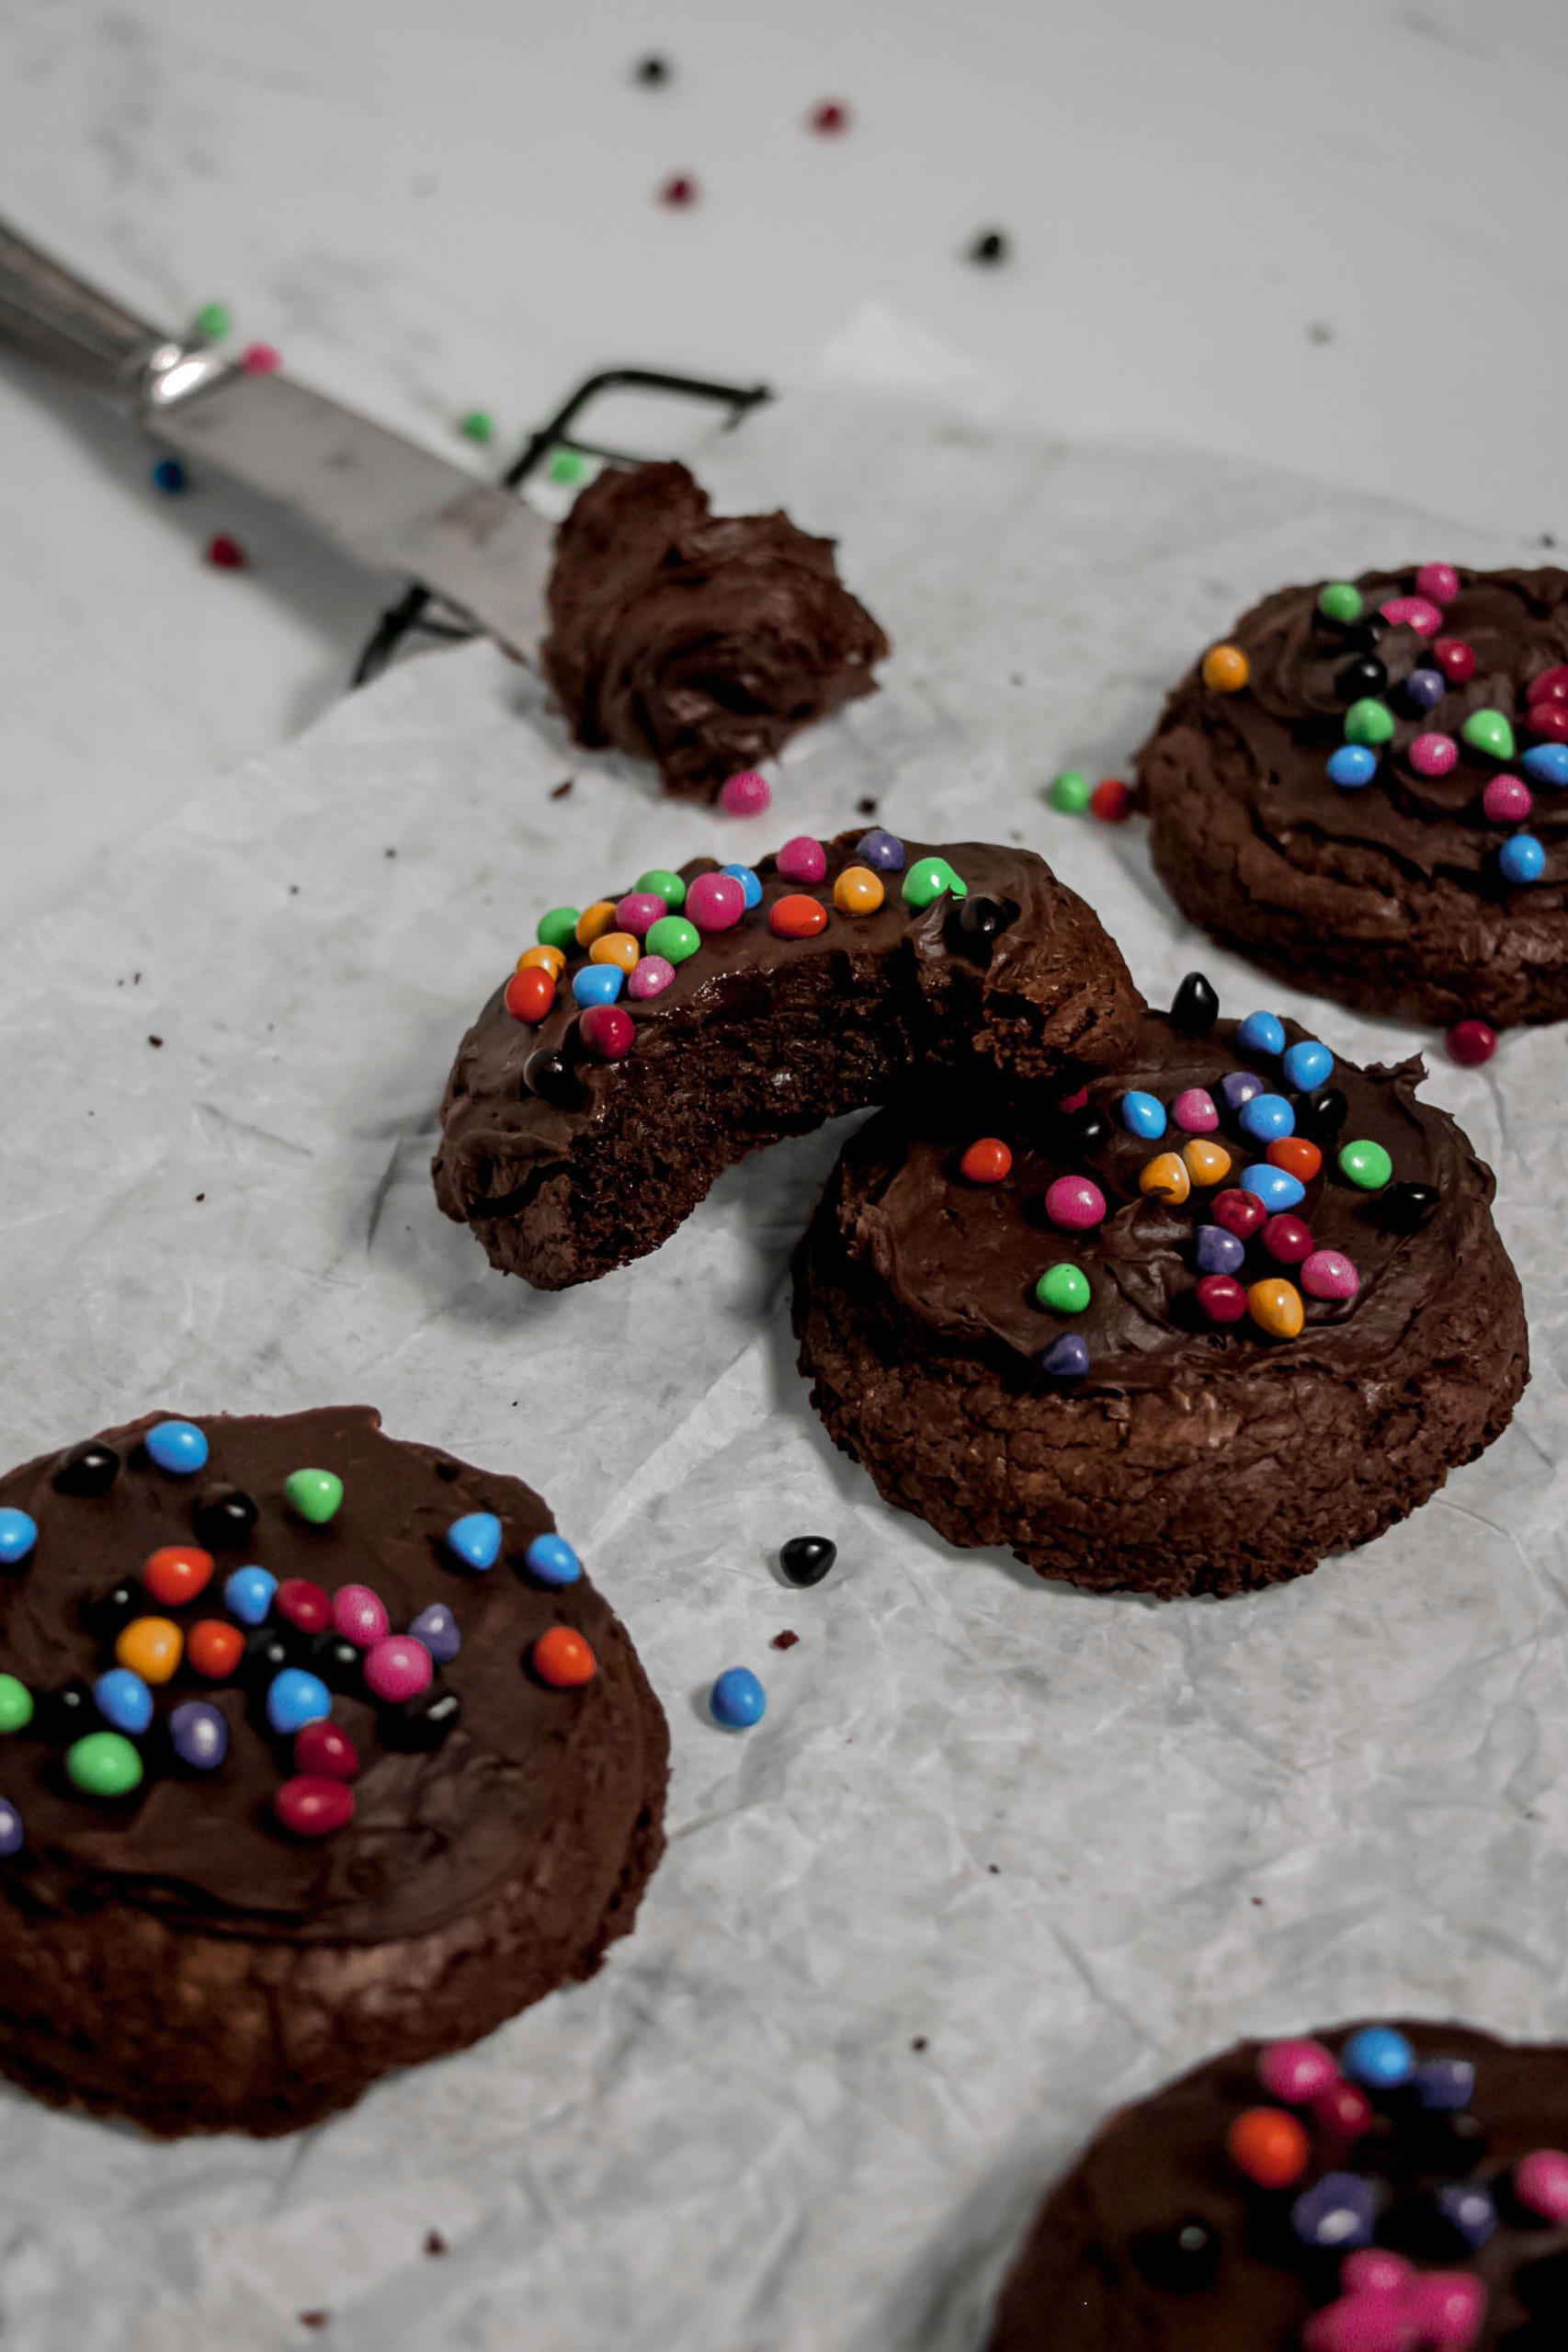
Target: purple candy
point(199, 1735)
point(1334, 2213)
point(437, 1629)
point(650, 977)
point(1445, 2084)
point(1424, 689)
point(1066, 1358)
point(1239, 1086)
point(883, 850)
point(1468, 2211)
point(1218, 1252)
point(10, 1828)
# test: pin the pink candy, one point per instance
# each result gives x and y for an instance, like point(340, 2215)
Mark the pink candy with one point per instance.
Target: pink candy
point(260, 360)
point(1507, 800)
point(1439, 581)
point(1328, 1274)
point(638, 912)
point(650, 977)
point(745, 795)
point(360, 1614)
point(1075, 1202)
point(1433, 755)
point(1413, 612)
point(1193, 1111)
point(802, 860)
point(398, 1667)
point(716, 902)
point(1296, 2071)
point(1540, 2181)
point(607, 1031)
point(1385, 2306)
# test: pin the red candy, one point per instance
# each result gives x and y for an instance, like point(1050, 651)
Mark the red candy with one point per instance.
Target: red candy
point(177, 1574)
point(830, 118)
point(1455, 659)
point(303, 1604)
point(678, 190)
point(1222, 1297)
point(214, 1648)
point(1287, 1240)
point(260, 360)
point(607, 1032)
point(1242, 1214)
point(987, 1161)
point(1343, 2109)
point(1471, 1042)
point(563, 1659)
point(326, 1752)
point(1269, 2146)
point(529, 995)
point(313, 1806)
point(1111, 800)
point(1550, 686)
point(1297, 1154)
point(224, 553)
point(1068, 1104)
point(1550, 722)
point(797, 917)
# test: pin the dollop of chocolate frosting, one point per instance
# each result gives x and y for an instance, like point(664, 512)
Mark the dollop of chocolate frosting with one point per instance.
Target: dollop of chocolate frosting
point(699, 641)
point(963, 1259)
point(534, 1782)
point(1281, 727)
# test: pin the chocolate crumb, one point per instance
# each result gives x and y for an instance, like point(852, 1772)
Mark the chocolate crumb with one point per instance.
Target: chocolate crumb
point(919, 2042)
point(994, 1869)
point(990, 247)
point(315, 2319)
point(435, 2243)
point(1319, 332)
point(867, 805)
point(559, 791)
point(785, 1641)
point(389, 853)
point(201, 1196)
point(154, 1040)
point(293, 890)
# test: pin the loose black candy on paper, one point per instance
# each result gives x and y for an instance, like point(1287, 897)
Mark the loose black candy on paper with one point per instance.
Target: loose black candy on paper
point(806, 1559)
point(65, 1714)
point(1363, 677)
point(339, 1662)
point(1320, 1117)
point(107, 1614)
point(1195, 1007)
point(223, 1519)
point(1406, 1207)
point(990, 247)
point(91, 1468)
point(551, 1077)
point(423, 1721)
point(1182, 2260)
point(975, 923)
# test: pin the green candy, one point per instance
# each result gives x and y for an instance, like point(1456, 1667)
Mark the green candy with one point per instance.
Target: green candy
point(477, 426)
point(1070, 792)
point(567, 466)
point(559, 928)
point(1341, 601)
point(660, 883)
point(1063, 1288)
point(1369, 722)
point(1489, 730)
point(673, 937)
point(317, 1495)
point(15, 1704)
point(928, 879)
point(1366, 1164)
point(212, 321)
point(105, 1764)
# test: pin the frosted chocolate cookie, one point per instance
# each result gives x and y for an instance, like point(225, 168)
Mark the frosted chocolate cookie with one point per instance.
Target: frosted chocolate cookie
point(1363, 790)
point(319, 1756)
point(1229, 1308)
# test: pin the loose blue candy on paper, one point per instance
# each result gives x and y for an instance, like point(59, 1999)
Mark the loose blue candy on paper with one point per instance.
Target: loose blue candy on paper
point(883, 850)
point(168, 475)
point(1276, 1187)
point(123, 1700)
point(748, 882)
point(295, 1698)
point(1217, 1251)
point(1351, 766)
point(552, 1560)
point(1336, 2212)
point(737, 1699)
point(19, 1534)
point(597, 984)
point(437, 1629)
point(1377, 2058)
point(10, 1828)
point(1142, 1114)
point(199, 1734)
point(1066, 1358)
point(475, 1539)
point(177, 1447)
point(1261, 1033)
point(247, 1595)
point(1265, 1117)
point(1308, 1064)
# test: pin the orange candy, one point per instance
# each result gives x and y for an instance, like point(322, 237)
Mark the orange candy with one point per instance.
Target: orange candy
point(858, 890)
point(215, 1648)
point(1225, 669)
point(595, 921)
point(563, 1658)
point(151, 1647)
point(1296, 1156)
point(1276, 1307)
point(1269, 2146)
point(1168, 1175)
point(549, 959)
point(614, 947)
point(1206, 1162)
point(528, 995)
point(177, 1573)
point(797, 917)
point(986, 1161)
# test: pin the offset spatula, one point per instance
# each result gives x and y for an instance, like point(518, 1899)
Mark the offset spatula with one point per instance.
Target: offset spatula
point(391, 504)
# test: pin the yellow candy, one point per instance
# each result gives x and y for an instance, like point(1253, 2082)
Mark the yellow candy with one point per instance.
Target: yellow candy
point(1225, 669)
point(151, 1647)
point(1167, 1174)
point(1206, 1162)
point(595, 921)
point(1276, 1307)
point(549, 959)
point(857, 890)
point(614, 947)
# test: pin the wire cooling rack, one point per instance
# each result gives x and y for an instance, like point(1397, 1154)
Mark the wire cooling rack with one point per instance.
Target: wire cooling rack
point(421, 616)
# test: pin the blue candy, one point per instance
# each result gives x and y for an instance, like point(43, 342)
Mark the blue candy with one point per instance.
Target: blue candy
point(475, 1539)
point(247, 1595)
point(1266, 1117)
point(1066, 1358)
point(1308, 1064)
point(1352, 766)
point(1377, 2058)
point(883, 850)
point(1217, 1251)
point(10, 1828)
point(295, 1698)
point(597, 984)
point(1445, 2084)
point(168, 475)
point(551, 1560)
point(1239, 1086)
point(1521, 858)
point(18, 1535)
point(177, 1447)
point(1547, 763)
point(748, 882)
point(1142, 1114)
point(1276, 1187)
point(737, 1699)
point(1468, 2211)
point(1335, 2213)
point(123, 1700)
point(199, 1735)
point(437, 1629)
point(1261, 1033)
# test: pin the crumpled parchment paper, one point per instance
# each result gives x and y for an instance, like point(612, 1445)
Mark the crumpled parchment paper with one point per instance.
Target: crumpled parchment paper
point(1001, 1855)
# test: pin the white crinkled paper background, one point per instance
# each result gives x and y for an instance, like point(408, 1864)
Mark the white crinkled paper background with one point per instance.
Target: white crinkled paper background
point(1001, 1855)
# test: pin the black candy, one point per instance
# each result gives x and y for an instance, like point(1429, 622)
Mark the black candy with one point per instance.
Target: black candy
point(223, 1519)
point(806, 1559)
point(1087, 1130)
point(551, 1077)
point(1365, 676)
point(91, 1468)
point(65, 1714)
point(107, 1613)
point(1543, 2287)
point(339, 1662)
point(1320, 1117)
point(1195, 1007)
point(990, 247)
point(422, 1722)
point(1181, 2260)
point(268, 1651)
point(975, 923)
point(1406, 1207)
point(651, 71)
point(1435, 2143)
